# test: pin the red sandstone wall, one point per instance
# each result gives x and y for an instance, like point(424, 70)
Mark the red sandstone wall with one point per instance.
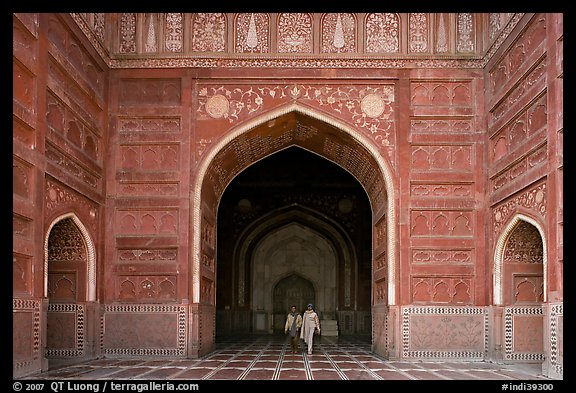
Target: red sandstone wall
point(59, 107)
point(139, 158)
point(524, 117)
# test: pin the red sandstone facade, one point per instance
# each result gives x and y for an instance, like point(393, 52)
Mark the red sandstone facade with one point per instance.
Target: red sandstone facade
point(128, 128)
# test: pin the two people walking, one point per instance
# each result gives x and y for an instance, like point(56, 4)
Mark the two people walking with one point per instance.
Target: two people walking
point(308, 324)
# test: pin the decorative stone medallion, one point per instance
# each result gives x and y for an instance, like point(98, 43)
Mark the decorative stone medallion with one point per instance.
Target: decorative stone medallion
point(372, 105)
point(217, 106)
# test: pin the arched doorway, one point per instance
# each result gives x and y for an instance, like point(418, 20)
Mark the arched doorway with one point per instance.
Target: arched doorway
point(338, 143)
point(292, 290)
point(277, 219)
point(70, 287)
point(520, 287)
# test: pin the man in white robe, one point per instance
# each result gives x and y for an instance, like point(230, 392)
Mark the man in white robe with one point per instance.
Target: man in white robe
point(310, 323)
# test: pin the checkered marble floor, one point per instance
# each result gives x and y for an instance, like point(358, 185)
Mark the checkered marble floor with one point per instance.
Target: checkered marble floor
point(269, 357)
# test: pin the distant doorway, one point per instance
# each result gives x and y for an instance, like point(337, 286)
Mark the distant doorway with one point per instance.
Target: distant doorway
point(292, 290)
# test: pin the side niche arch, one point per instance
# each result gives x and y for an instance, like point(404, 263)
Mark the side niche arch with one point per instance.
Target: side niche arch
point(90, 279)
point(70, 287)
point(499, 257)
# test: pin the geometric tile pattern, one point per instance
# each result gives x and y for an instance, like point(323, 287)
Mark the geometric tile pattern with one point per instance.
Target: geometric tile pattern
point(556, 334)
point(268, 357)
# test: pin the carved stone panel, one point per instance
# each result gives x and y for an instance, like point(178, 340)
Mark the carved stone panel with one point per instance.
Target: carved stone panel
point(252, 33)
point(447, 290)
point(524, 333)
point(144, 330)
point(21, 274)
point(295, 33)
point(444, 332)
point(209, 32)
point(383, 33)
point(147, 222)
point(434, 223)
point(65, 330)
point(338, 33)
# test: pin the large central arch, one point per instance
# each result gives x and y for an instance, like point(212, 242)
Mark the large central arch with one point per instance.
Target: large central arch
point(328, 137)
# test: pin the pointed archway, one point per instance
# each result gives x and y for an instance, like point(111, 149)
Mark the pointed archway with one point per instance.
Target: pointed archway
point(69, 286)
point(291, 125)
point(291, 290)
point(520, 277)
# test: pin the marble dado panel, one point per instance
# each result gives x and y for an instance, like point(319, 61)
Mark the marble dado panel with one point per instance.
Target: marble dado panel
point(369, 108)
point(26, 337)
point(444, 332)
point(144, 330)
point(441, 223)
point(68, 339)
point(515, 59)
point(146, 288)
point(146, 222)
point(523, 333)
point(556, 323)
point(438, 289)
